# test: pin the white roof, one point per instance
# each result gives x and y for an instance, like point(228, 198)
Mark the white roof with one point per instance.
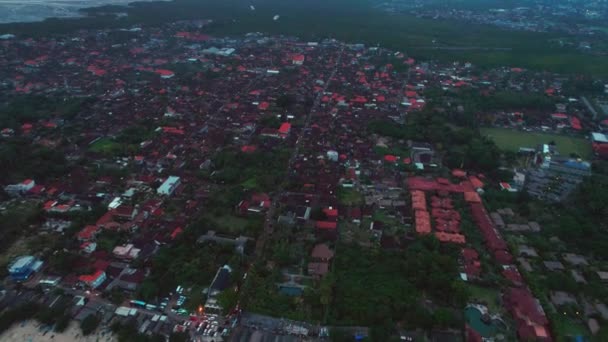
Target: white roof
point(599, 137)
point(122, 311)
point(168, 184)
point(21, 262)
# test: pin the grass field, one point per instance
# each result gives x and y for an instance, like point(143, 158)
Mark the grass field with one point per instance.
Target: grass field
point(104, 145)
point(488, 295)
point(512, 140)
point(349, 196)
point(230, 224)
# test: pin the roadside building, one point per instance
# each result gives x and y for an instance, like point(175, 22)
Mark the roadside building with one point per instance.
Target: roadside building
point(23, 267)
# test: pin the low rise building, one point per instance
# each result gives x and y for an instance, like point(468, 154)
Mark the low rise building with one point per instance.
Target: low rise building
point(169, 186)
point(23, 267)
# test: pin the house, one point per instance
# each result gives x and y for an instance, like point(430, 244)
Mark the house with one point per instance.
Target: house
point(327, 229)
point(527, 251)
point(23, 267)
point(298, 59)
point(471, 263)
point(88, 247)
point(559, 298)
point(258, 202)
point(593, 326)
point(554, 265)
point(126, 252)
point(20, 188)
point(321, 255)
point(88, 233)
point(93, 280)
point(531, 321)
point(603, 275)
point(575, 259)
point(168, 186)
point(578, 277)
point(284, 129)
point(165, 74)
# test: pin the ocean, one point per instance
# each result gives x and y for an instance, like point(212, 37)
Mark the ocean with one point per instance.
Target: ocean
point(37, 10)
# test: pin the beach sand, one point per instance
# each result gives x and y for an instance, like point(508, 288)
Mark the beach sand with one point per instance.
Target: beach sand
point(30, 332)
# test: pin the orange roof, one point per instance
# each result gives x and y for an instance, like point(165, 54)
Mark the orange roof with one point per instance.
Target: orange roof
point(418, 200)
point(476, 182)
point(447, 237)
point(423, 222)
point(472, 197)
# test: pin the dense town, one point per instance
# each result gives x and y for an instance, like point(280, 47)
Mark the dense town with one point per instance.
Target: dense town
point(161, 182)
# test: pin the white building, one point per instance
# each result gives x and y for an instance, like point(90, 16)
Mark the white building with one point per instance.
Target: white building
point(20, 188)
point(168, 186)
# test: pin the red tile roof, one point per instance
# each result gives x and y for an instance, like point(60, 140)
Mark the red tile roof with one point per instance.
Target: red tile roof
point(326, 225)
point(88, 232)
point(285, 128)
point(89, 278)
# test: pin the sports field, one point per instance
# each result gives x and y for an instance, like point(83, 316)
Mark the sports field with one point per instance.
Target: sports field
point(512, 140)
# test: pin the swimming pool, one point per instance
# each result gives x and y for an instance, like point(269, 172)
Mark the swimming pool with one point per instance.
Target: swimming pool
point(473, 316)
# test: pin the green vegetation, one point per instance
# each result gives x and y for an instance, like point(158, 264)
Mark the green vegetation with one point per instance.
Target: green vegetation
point(128, 333)
point(186, 263)
point(463, 148)
point(110, 147)
point(15, 223)
point(57, 315)
point(349, 197)
point(31, 108)
point(258, 171)
point(262, 296)
point(20, 159)
point(567, 326)
point(233, 225)
point(18, 314)
point(489, 296)
point(512, 140)
point(376, 286)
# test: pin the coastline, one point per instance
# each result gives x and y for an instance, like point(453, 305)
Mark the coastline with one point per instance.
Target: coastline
point(29, 331)
point(15, 12)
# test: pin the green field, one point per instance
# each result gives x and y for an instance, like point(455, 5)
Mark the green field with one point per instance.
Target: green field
point(512, 140)
point(105, 146)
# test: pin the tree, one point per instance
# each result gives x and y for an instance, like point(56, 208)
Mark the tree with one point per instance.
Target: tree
point(227, 299)
point(62, 323)
point(179, 337)
point(148, 289)
point(89, 324)
point(285, 101)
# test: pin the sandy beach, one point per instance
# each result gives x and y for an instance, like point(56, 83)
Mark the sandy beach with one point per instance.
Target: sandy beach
point(30, 332)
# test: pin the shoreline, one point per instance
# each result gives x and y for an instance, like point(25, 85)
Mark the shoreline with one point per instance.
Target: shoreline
point(34, 12)
point(29, 331)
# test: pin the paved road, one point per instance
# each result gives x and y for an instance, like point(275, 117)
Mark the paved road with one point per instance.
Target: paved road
point(269, 221)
